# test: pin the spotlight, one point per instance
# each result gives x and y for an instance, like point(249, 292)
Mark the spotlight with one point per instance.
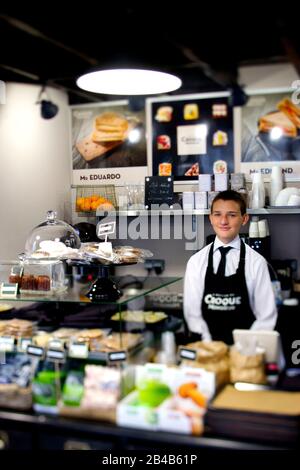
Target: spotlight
point(48, 109)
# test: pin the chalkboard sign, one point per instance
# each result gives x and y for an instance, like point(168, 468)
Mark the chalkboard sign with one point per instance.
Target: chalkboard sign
point(158, 191)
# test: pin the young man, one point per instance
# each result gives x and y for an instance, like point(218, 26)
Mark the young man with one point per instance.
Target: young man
point(227, 284)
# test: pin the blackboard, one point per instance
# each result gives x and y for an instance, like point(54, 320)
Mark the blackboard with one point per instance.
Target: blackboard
point(158, 191)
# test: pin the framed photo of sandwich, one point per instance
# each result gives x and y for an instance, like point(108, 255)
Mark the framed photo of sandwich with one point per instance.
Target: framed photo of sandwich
point(108, 144)
point(190, 135)
point(268, 133)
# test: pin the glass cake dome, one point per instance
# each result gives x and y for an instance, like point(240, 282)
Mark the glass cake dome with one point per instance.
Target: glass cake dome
point(52, 238)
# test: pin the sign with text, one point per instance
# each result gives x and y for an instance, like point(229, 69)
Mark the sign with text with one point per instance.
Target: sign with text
point(78, 350)
point(186, 353)
point(7, 343)
point(106, 229)
point(159, 190)
point(8, 289)
point(117, 356)
point(108, 144)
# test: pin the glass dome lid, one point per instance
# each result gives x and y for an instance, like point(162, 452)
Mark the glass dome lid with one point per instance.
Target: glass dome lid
point(52, 238)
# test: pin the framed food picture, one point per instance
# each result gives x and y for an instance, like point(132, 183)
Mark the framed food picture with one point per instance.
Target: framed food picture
point(190, 135)
point(108, 144)
point(269, 133)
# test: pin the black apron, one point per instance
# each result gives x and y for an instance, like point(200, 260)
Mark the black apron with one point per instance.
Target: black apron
point(225, 302)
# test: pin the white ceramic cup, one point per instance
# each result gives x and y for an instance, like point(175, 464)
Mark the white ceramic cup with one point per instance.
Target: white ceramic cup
point(253, 230)
point(294, 200)
point(262, 228)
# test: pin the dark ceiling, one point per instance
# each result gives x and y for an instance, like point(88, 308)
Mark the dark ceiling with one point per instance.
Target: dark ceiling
point(203, 48)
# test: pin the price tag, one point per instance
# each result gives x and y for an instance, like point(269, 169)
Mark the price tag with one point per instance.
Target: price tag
point(56, 355)
point(186, 353)
point(78, 350)
point(35, 351)
point(7, 343)
point(106, 229)
point(9, 289)
point(117, 356)
point(56, 344)
point(23, 343)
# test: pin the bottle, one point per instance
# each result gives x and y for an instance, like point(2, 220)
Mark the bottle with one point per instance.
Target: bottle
point(258, 192)
point(276, 184)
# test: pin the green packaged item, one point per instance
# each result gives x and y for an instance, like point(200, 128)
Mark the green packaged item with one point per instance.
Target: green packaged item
point(45, 387)
point(152, 393)
point(73, 389)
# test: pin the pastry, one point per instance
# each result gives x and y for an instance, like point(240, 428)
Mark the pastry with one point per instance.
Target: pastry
point(90, 149)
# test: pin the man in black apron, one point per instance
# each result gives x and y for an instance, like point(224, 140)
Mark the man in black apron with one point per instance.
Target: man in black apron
point(224, 302)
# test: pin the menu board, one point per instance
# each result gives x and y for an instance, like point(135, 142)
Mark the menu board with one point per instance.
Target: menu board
point(190, 135)
point(158, 191)
point(108, 144)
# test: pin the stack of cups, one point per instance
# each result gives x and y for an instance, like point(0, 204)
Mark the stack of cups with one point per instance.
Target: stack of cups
point(263, 228)
point(253, 228)
point(276, 184)
point(258, 192)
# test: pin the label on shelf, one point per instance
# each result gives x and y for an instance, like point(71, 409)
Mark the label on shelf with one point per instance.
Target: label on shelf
point(78, 350)
point(7, 343)
point(186, 353)
point(56, 344)
point(106, 229)
point(117, 356)
point(35, 351)
point(8, 289)
point(56, 355)
point(23, 343)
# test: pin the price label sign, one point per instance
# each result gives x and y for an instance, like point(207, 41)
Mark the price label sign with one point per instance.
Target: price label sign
point(106, 229)
point(186, 353)
point(56, 355)
point(8, 289)
point(23, 343)
point(56, 344)
point(117, 356)
point(7, 343)
point(35, 351)
point(78, 350)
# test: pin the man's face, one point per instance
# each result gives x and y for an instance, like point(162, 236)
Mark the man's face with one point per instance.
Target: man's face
point(226, 219)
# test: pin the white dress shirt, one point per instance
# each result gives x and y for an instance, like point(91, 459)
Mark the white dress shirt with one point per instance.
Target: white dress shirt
point(259, 286)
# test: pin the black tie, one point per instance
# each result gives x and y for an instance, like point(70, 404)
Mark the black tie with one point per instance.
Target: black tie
point(221, 269)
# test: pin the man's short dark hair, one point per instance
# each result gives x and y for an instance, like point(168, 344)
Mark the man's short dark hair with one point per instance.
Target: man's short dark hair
point(231, 195)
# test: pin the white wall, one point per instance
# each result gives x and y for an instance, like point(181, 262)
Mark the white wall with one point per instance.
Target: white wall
point(34, 164)
point(268, 76)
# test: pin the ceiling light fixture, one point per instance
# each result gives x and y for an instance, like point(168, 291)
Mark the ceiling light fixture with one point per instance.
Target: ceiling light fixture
point(129, 82)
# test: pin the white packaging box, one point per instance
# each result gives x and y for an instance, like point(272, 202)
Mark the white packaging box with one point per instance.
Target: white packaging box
point(183, 414)
point(205, 182)
point(221, 181)
point(237, 181)
point(210, 197)
point(188, 200)
point(201, 200)
point(133, 416)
